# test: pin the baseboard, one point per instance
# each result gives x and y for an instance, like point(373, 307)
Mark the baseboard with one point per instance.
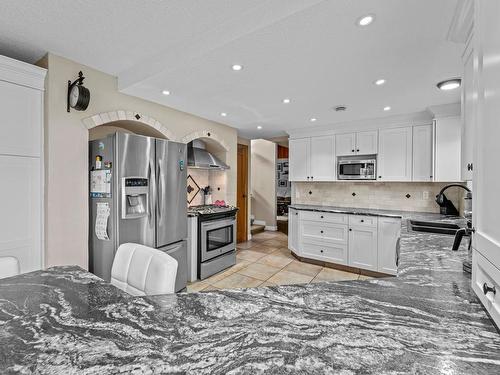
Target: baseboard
point(259, 222)
point(271, 228)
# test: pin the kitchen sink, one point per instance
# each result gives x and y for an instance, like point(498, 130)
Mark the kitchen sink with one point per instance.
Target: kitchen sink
point(433, 227)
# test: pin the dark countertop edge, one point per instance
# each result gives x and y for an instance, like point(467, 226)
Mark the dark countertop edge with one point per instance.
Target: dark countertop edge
point(348, 210)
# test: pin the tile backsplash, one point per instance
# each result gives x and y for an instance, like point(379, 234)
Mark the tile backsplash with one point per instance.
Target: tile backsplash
point(414, 196)
point(215, 179)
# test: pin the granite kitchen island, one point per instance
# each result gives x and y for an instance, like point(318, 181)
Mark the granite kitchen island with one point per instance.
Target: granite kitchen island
point(425, 321)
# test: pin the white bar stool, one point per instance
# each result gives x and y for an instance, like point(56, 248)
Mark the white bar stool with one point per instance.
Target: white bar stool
point(140, 270)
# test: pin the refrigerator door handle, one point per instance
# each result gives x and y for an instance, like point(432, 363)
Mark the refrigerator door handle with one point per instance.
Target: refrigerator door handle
point(160, 188)
point(151, 192)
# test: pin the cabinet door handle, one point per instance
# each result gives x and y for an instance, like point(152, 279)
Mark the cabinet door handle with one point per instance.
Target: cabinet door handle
point(362, 221)
point(321, 251)
point(321, 231)
point(308, 177)
point(357, 150)
point(487, 289)
point(379, 176)
point(322, 216)
point(312, 177)
point(352, 150)
point(350, 230)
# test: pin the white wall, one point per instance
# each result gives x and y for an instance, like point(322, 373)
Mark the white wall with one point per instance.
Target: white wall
point(263, 177)
point(66, 153)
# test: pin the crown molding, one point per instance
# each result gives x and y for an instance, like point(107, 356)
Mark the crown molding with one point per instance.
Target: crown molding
point(462, 22)
point(21, 73)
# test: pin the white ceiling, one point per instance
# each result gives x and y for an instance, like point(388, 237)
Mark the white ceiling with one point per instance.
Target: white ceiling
point(310, 51)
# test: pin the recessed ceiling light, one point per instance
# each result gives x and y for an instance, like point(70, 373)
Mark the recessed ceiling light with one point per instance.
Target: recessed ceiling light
point(165, 92)
point(387, 108)
point(379, 82)
point(313, 119)
point(449, 84)
point(237, 67)
point(340, 108)
point(223, 114)
point(286, 100)
point(366, 20)
point(259, 127)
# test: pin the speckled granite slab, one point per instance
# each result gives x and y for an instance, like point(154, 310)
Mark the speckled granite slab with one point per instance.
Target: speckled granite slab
point(426, 321)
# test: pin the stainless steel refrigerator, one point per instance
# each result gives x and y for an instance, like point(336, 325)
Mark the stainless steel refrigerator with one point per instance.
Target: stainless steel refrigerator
point(137, 194)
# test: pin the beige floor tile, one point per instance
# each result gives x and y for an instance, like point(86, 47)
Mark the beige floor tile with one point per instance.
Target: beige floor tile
point(364, 277)
point(303, 268)
point(259, 271)
point(285, 252)
point(249, 255)
point(330, 274)
point(262, 248)
point(219, 276)
point(277, 260)
point(274, 243)
point(267, 283)
point(197, 286)
point(240, 264)
point(288, 278)
point(210, 288)
point(245, 245)
point(237, 280)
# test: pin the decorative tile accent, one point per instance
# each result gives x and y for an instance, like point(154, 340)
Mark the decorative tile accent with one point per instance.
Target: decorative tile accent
point(192, 189)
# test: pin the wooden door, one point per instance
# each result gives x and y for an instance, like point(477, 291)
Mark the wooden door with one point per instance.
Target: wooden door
point(241, 193)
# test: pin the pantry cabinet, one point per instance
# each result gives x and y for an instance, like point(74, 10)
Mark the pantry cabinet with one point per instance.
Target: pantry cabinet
point(312, 159)
point(21, 162)
point(468, 123)
point(422, 153)
point(359, 143)
point(395, 154)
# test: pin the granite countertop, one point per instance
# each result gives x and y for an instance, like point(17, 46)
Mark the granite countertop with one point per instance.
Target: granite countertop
point(427, 320)
point(349, 210)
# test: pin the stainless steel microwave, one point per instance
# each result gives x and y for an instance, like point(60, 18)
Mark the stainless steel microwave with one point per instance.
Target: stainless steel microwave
point(355, 168)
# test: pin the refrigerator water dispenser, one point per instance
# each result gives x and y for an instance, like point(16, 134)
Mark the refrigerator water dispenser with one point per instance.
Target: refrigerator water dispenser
point(135, 197)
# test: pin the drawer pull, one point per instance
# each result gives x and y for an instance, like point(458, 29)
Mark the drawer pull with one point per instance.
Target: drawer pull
point(362, 221)
point(350, 229)
point(321, 251)
point(321, 231)
point(487, 289)
point(322, 216)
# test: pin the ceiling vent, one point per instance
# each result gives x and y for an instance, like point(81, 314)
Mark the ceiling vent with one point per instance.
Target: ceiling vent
point(340, 108)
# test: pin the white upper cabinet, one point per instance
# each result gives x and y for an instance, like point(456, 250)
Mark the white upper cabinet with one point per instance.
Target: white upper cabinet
point(447, 149)
point(422, 153)
point(322, 158)
point(21, 122)
point(21, 161)
point(312, 159)
point(360, 143)
point(345, 144)
point(367, 142)
point(468, 125)
point(299, 160)
point(395, 154)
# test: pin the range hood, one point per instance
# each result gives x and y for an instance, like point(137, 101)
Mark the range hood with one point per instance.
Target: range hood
point(198, 157)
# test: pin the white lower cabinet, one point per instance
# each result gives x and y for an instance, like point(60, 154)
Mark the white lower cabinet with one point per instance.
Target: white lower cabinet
point(363, 247)
point(366, 242)
point(293, 230)
point(389, 233)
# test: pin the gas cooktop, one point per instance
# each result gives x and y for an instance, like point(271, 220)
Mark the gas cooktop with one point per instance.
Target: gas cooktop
point(211, 209)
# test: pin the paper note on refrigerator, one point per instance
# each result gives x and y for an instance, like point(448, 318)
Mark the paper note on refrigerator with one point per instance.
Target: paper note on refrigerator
point(101, 221)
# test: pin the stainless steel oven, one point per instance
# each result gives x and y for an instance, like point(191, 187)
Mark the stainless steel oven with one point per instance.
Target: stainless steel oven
point(217, 237)
point(357, 168)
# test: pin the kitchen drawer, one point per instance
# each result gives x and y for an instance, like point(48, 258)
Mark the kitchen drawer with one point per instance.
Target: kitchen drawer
point(364, 221)
point(312, 230)
point(329, 253)
point(484, 272)
point(327, 217)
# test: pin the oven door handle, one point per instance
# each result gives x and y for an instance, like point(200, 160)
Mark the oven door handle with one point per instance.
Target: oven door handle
point(217, 223)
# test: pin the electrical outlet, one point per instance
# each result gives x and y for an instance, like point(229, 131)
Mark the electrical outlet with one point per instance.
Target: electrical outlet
point(425, 195)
